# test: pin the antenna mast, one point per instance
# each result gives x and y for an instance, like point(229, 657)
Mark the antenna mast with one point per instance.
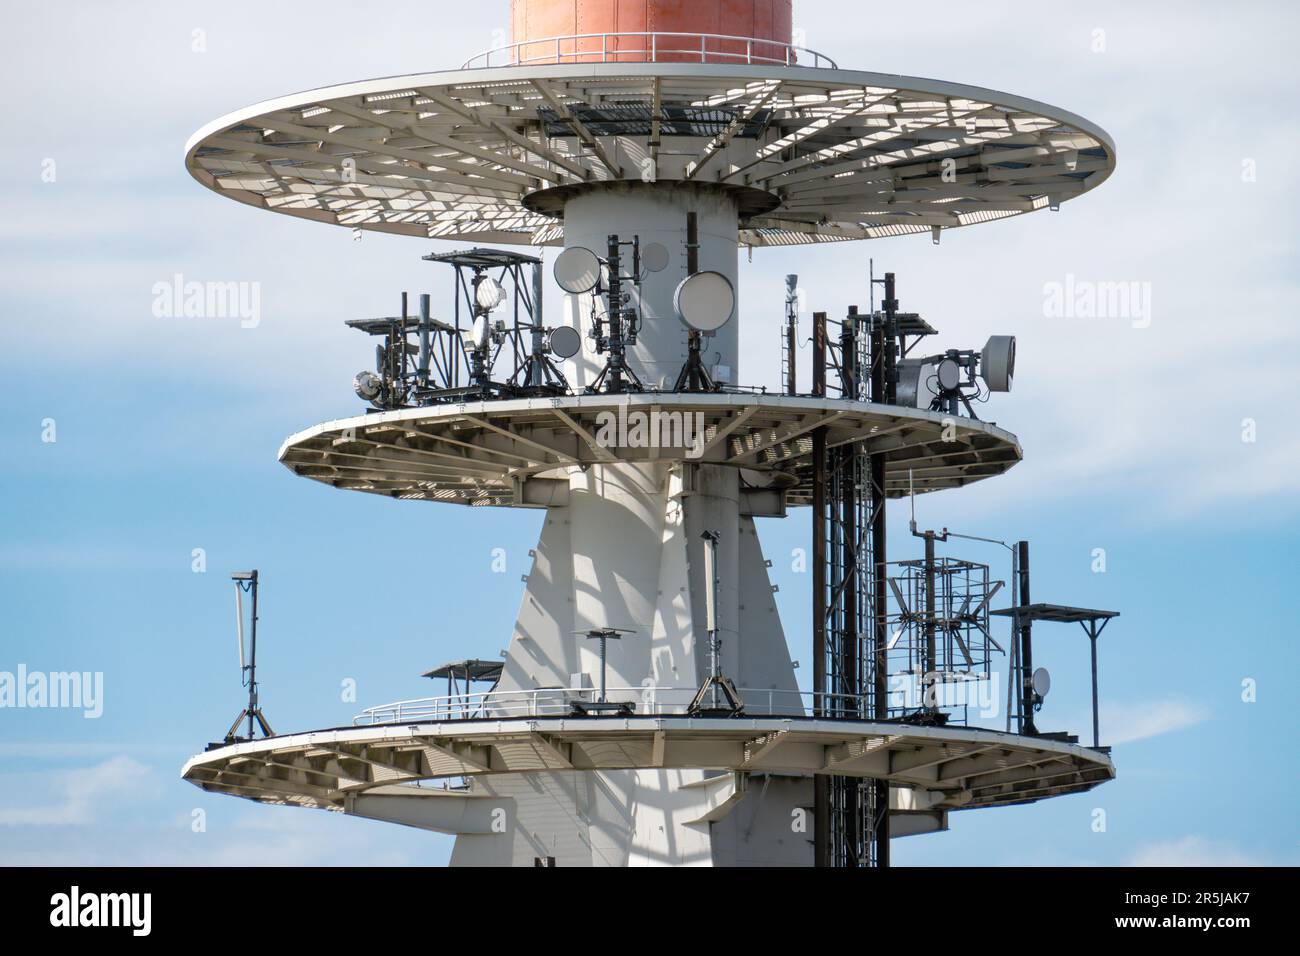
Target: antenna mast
point(246, 581)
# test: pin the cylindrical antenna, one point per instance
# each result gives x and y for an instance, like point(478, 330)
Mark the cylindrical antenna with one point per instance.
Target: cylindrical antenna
point(239, 623)
point(537, 293)
point(819, 355)
point(423, 370)
point(711, 613)
point(911, 494)
point(849, 354)
point(890, 308)
point(692, 243)
point(711, 584)
point(791, 331)
point(536, 361)
point(1026, 643)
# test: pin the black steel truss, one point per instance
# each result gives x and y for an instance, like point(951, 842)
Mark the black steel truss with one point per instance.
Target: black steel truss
point(851, 813)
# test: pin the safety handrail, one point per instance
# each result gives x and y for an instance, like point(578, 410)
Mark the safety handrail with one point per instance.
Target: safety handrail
point(654, 46)
point(647, 700)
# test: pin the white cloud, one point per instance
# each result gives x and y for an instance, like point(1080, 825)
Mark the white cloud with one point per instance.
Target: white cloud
point(74, 796)
point(65, 749)
point(238, 834)
point(1126, 723)
point(1198, 851)
point(291, 836)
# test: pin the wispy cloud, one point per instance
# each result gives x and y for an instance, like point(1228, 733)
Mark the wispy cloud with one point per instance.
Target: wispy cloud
point(75, 794)
point(1196, 850)
point(238, 834)
point(1125, 723)
point(85, 749)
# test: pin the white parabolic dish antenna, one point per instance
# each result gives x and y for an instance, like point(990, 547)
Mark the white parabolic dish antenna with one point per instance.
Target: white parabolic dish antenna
point(481, 333)
point(705, 301)
point(577, 270)
point(565, 341)
point(654, 257)
point(489, 294)
point(1042, 681)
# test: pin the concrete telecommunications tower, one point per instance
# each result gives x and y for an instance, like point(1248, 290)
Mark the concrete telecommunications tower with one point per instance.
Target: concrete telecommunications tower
point(646, 710)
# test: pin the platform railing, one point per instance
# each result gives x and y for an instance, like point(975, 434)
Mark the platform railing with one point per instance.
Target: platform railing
point(644, 701)
point(654, 48)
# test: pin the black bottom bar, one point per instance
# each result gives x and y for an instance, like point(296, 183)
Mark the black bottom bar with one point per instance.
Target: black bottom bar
point(200, 905)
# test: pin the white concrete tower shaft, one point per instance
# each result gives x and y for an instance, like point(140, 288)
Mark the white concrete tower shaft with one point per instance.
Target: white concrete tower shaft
point(656, 212)
point(627, 551)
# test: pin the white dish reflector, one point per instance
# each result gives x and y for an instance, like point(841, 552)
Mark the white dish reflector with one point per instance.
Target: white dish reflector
point(577, 270)
point(489, 294)
point(654, 257)
point(705, 301)
point(565, 341)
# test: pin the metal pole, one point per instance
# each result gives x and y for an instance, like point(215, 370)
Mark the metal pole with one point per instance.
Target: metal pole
point(239, 627)
point(819, 519)
point(849, 354)
point(422, 376)
point(791, 331)
point(849, 477)
point(880, 575)
point(1092, 640)
point(692, 243)
point(603, 639)
point(615, 295)
point(1013, 656)
point(880, 670)
point(1026, 644)
point(890, 307)
point(929, 697)
point(536, 366)
point(537, 293)
point(819, 355)
point(821, 782)
point(819, 569)
point(252, 663)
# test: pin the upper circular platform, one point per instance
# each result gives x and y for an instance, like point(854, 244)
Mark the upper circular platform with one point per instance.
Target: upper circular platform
point(519, 452)
point(472, 154)
point(953, 768)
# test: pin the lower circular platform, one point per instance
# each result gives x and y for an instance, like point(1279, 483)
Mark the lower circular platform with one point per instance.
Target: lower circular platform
point(519, 452)
point(945, 768)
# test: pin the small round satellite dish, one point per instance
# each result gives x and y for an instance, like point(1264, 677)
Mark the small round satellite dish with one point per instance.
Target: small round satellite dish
point(565, 341)
point(367, 385)
point(577, 270)
point(1042, 681)
point(998, 362)
point(949, 375)
point(654, 257)
point(705, 301)
point(481, 333)
point(489, 294)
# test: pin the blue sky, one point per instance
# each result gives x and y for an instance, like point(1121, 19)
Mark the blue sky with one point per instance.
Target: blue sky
point(167, 429)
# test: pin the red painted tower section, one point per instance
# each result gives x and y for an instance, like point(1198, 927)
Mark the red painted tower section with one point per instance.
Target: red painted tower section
point(632, 31)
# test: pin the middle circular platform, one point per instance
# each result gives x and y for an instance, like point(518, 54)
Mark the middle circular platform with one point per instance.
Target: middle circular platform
point(519, 452)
